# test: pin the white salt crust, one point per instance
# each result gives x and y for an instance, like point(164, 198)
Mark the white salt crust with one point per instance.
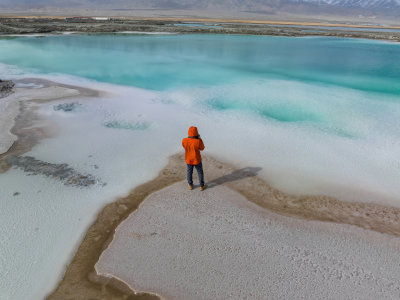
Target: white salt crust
point(215, 244)
point(8, 111)
point(9, 108)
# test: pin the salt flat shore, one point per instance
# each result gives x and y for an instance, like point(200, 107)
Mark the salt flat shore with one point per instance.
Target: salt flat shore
point(55, 25)
point(362, 223)
point(20, 127)
point(183, 244)
point(81, 280)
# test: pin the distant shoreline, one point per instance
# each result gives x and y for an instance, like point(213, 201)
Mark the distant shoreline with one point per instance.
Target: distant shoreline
point(212, 20)
point(15, 25)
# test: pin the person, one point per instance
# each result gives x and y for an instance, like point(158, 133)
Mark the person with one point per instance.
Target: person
point(193, 144)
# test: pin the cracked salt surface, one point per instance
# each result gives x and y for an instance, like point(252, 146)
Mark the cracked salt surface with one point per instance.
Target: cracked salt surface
point(184, 244)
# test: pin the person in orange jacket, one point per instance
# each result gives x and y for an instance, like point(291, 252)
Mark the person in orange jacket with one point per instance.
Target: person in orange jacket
point(193, 144)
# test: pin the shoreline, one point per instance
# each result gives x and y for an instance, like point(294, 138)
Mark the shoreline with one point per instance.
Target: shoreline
point(26, 25)
point(81, 275)
point(218, 20)
point(28, 128)
point(183, 244)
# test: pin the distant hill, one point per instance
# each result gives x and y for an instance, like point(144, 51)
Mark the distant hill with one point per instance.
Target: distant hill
point(348, 8)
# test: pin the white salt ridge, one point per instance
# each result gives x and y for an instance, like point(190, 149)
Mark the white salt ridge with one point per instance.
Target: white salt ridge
point(28, 85)
point(215, 244)
point(146, 32)
point(30, 34)
point(9, 109)
point(46, 93)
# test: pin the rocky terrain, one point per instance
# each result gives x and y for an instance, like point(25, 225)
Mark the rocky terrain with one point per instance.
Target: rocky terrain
point(6, 88)
point(10, 26)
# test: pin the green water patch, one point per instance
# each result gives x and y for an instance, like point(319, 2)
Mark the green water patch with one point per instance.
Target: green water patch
point(302, 114)
point(289, 114)
point(280, 112)
point(127, 125)
point(339, 132)
point(67, 107)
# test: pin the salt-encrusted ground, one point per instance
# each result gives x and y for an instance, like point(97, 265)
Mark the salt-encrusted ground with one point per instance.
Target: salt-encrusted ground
point(42, 220)
point(215, 244)
point(9, 108)
point(8, 111)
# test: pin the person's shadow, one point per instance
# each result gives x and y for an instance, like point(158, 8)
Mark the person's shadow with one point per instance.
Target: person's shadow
point(235, 175)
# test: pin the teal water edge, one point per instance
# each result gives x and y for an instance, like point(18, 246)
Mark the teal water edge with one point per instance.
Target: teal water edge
point(168, 61)
point(279, 78)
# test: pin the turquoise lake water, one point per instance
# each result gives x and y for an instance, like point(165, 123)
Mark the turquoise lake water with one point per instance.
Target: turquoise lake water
point(273, 77)
point(170, 61)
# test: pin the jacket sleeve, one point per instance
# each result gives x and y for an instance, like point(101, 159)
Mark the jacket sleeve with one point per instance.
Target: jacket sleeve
point(183, 143)
point(201, 146)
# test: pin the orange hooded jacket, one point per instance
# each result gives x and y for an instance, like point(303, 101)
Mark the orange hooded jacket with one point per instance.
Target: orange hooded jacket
point(193, 145)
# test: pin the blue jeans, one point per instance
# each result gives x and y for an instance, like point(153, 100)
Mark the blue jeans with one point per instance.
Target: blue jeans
point(199, 169)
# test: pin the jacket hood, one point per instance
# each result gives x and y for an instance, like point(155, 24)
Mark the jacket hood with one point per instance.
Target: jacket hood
point(193, 131)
